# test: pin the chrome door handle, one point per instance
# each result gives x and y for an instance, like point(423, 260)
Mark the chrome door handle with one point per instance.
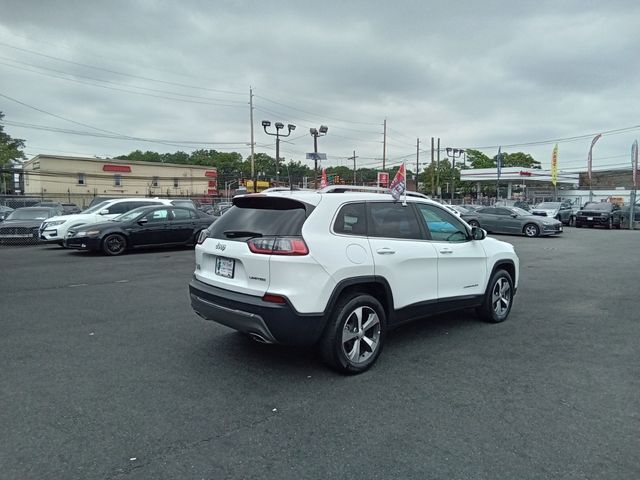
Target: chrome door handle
point(446, 251)
point(385, 251)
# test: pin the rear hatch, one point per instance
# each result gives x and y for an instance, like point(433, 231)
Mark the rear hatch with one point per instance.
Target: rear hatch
point(236, 254)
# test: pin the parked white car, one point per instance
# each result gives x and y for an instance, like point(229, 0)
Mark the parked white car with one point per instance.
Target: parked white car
point(55, 229)
point(338, 268)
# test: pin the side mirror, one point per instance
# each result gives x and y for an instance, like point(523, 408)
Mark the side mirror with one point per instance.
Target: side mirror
point(104, 212)
point(142, 221)
point(478, 233)
point(514, 215)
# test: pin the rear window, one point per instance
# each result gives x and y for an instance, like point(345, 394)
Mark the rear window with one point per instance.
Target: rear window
point(261, 216)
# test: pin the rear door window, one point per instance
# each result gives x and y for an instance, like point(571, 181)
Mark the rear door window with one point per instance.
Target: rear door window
point(392, 220)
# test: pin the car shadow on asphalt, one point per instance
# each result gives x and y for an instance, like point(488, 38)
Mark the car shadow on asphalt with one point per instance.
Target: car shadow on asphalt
point(237, 352)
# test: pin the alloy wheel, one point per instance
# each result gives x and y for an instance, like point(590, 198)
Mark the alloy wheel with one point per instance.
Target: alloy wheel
point(501, 297)
point(115, 244)
point(531, 230)
point(361, 335)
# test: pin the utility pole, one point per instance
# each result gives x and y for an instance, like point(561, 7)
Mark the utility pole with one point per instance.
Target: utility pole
point(253, 144)
point(384, 146)
point(433, 176)
point(438, 170)
point(354, 166)
point(417, 161)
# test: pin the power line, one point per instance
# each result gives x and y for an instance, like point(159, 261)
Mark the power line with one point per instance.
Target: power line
point(236, 103)
point(313, 113)
point(115, 136)
point(51, 57)
point(560, 140)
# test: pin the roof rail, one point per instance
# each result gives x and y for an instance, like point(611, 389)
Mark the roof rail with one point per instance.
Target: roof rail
point(362, 188)
point(286, 189)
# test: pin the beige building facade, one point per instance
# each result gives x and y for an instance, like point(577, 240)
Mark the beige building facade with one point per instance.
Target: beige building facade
point(81, 178)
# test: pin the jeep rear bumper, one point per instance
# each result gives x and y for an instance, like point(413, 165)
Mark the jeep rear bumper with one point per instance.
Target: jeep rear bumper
point(265, 321)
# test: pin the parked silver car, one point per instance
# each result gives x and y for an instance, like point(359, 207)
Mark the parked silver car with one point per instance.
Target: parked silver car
point(513, 220)
point(559, 210)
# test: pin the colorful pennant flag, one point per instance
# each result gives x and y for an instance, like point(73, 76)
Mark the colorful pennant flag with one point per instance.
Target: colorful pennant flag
point(554, 165)
point(399, 183)
point(589, 161)
point(634, 162)
point(323, 179)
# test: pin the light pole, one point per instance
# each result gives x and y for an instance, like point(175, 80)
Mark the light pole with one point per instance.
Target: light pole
point(453, 153)
point(315, 133)
point(279, 126)
point(227, 188)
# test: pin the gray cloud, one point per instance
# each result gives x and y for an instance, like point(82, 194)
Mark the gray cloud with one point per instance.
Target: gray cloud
point(474, 73)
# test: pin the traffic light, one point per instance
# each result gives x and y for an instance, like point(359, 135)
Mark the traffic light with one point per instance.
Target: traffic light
point(336, 179)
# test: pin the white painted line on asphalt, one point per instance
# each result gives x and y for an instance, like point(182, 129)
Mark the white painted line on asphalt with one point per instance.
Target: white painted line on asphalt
point(78, 285)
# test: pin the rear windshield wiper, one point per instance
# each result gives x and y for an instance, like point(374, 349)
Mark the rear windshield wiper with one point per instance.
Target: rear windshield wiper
point(241, 233)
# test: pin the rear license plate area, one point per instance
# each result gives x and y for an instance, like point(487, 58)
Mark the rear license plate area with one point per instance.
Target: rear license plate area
point(225, 267)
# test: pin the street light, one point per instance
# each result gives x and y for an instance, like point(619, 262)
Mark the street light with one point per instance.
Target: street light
point(453, 153)
point(315, 133)
point(279, 126)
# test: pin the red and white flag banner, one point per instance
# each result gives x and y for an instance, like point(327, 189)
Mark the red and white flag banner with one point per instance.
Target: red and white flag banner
point(399, 184)
point(323, 179)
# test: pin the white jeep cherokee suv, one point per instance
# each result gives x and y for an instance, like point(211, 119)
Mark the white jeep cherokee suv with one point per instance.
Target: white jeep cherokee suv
point(54, 229)
point(340, 269)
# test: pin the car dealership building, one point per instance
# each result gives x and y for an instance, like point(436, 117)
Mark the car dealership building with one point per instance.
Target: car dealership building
point(79, 179)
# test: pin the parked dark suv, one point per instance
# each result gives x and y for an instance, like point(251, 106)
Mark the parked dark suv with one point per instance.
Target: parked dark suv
point(601, 214)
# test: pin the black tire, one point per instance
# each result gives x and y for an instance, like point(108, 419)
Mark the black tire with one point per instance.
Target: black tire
point(345, 334)
point(473, 223)
point(531, 230)
point(572, 221)
point(499, 292)
point(114, 244)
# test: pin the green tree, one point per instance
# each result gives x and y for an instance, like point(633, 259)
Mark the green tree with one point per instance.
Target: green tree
point(477, 159)
point(518, 159)
point(445, 174)
point(140, 156)
point(10, 151)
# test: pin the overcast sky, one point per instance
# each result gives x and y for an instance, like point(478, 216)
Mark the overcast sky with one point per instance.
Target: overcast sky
point(474, 73)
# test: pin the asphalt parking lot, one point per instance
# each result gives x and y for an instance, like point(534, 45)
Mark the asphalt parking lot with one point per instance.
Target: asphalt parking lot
point(106, 373)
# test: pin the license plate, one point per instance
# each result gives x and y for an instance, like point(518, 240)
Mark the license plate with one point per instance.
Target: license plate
point(225, 267)
point(17, 235)
point(589, 218)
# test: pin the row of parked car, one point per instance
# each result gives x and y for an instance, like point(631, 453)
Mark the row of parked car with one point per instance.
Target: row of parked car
point(547, 218)
point(112, 226)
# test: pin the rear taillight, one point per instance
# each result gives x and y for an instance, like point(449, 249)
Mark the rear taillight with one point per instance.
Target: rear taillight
point(278, 246)
point(202, 236)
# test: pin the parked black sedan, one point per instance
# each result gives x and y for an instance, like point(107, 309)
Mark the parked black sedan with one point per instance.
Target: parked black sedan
point(149, 226)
